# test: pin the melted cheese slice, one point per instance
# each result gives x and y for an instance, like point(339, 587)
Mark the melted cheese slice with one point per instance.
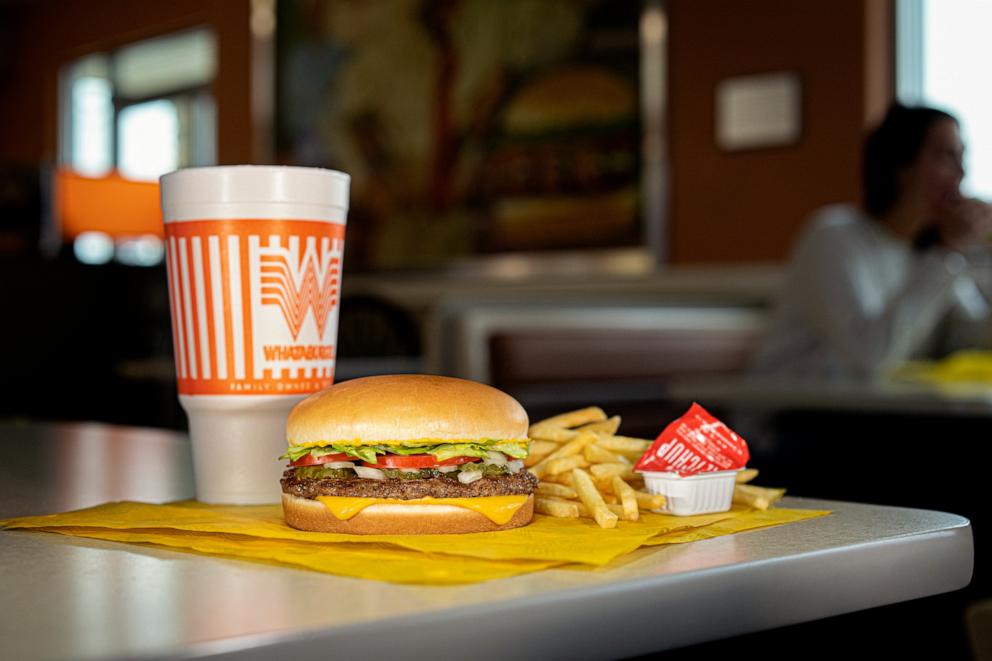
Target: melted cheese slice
point(498, 509)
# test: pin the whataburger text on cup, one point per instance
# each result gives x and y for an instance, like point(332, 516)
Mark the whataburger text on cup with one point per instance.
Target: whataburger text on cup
point(254, 257)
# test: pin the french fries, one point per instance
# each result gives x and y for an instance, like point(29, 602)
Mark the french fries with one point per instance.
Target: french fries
point(569, 509)
point(602, 471)
point(538, 451)
point(555, 434)
point(596, 454)
point(624, 445)
point(757, 497)
point(608, 426)
point(570, 449)
point(627, 499)
point(553, 490)
point(649, 501)
point(570, 419)
point(746, 475)
point(592, 499)
point(584, 511)
point(564, 465)
point(562, 478)
point(586, 469)
point(562, 509)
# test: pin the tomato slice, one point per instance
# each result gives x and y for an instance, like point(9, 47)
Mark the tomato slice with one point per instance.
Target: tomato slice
point(416, 461)
point(310, 460)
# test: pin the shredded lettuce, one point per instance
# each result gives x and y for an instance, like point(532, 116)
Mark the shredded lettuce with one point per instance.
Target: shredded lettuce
point(295, 453)
point(363, 452)
point(449, 450)
point(515, 449)
point(512, 449)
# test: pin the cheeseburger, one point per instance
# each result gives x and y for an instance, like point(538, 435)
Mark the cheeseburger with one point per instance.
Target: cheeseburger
point(409, 454)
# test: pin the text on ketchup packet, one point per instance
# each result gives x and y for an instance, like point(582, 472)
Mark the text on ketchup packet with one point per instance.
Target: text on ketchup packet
point(697, 442)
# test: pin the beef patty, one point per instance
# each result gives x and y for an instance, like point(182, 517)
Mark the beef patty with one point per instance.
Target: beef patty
point(522, 482)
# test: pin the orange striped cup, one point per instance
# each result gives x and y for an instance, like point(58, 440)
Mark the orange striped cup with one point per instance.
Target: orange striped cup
point(254, 257)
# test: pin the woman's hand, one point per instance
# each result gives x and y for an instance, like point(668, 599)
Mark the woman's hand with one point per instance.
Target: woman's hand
point(964, 223)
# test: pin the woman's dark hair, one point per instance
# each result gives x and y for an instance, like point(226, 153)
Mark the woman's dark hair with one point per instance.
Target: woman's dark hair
point(892, 146)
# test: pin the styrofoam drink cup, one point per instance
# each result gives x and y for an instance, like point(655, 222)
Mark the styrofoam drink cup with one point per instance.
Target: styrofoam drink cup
point(254, 257)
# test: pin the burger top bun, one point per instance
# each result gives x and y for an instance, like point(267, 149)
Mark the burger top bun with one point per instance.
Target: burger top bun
point(382, 409)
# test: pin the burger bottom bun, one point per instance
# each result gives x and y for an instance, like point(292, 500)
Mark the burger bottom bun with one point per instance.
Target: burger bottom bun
point(390, 519)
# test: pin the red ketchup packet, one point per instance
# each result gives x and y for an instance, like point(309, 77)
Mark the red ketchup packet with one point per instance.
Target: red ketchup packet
point(695, 443)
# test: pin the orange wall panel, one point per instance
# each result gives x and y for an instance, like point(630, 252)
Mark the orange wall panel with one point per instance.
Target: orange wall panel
point(111, 204)
point(747, 205)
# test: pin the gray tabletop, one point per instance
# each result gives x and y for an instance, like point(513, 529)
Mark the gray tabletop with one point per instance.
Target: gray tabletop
point(73, 598)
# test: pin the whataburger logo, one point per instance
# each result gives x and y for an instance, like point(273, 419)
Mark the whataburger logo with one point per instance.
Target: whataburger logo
point(297, 286)
point(216, 290)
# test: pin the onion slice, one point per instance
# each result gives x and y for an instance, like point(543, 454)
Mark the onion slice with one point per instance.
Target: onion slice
point(514, 466)
point(340, 464)
point(468, 477)
point(447, 469)
point(495, 458)
point(370, 473)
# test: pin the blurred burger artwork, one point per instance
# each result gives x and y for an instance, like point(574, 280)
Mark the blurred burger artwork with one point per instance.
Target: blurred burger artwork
point(470, 128)
point(564, 166)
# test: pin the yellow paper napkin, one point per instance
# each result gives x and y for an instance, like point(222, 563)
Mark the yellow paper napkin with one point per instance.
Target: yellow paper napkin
point(744, 519)
point(259, 533)
point(371, 561)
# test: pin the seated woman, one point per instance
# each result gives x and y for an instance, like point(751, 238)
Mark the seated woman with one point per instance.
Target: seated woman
point(868, 288)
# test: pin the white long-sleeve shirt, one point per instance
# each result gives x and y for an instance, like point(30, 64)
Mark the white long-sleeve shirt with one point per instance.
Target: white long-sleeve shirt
point(858, 298)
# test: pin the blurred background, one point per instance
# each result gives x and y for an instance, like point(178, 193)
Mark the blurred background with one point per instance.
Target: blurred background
point(579, 201)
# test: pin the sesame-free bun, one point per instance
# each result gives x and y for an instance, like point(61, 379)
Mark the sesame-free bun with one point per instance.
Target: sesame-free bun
point(392, 519)
point(379, 410)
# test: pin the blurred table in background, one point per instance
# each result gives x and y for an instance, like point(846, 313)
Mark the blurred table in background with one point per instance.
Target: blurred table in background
point(778, 395)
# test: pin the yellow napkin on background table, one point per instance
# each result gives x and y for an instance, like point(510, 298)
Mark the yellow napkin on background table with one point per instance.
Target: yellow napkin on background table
point(966, 369)
point(259, 533)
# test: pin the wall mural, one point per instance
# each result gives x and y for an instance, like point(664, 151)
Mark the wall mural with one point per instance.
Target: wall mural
point(470, 127)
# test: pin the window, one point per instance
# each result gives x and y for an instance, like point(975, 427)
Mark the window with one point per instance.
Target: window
point(128, 117)
point(943, 51)
point(148, 144)
point(92, 122)
point(143, 110)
